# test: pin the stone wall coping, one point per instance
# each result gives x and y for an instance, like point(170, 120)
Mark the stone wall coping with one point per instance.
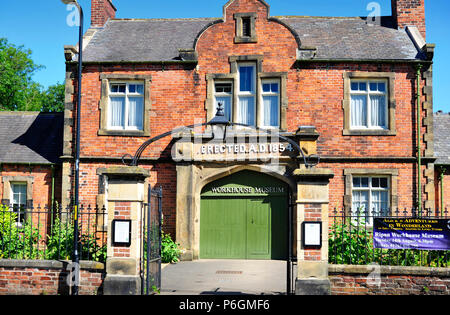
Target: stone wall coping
point(314, 172)
point(49, 264)
point(389, 270)
point(123, 170)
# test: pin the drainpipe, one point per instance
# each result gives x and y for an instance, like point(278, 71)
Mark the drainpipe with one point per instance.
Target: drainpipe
point(419, 136)
point(442, 191)
point(53, 187)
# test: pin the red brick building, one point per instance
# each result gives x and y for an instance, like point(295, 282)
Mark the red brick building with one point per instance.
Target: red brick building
point(30, 165)
point(343, 88)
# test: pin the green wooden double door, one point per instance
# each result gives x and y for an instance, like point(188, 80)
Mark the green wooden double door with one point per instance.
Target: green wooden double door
point(245, 224)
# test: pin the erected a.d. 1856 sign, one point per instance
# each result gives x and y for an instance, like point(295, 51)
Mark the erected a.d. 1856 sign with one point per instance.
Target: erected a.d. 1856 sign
point(243, 151)
point(233, 151)
point(245, 148)
point(411, 233)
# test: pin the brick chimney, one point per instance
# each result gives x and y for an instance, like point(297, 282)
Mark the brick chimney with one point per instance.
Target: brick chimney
point(409, 13)
point(101, 12)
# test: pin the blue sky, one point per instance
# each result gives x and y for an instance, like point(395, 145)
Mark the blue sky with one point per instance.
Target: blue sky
point(41, 26)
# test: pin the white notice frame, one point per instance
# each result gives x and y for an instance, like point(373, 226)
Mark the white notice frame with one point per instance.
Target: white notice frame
point(121, 232)
point(312, 234)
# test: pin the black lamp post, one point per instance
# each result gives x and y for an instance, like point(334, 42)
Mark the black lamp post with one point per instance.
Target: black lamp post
point(220, 118)
point(76, 256)
point(219, 123)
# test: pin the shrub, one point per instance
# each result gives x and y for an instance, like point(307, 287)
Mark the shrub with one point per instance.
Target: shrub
point(61, 240)
point(25, 242)
point(17, 241)
point(170, 252)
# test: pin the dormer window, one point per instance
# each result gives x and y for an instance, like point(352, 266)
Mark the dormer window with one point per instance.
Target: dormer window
point(245, 28)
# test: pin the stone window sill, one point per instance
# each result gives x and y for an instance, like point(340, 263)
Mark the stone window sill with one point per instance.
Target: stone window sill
point(241, 40)
point(348, 132)
point(123, 133)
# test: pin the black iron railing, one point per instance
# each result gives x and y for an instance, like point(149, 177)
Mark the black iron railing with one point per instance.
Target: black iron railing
point(34, 233)
point(351, 240)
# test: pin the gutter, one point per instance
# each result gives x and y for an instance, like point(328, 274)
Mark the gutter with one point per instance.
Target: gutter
point(28, 164)
point(370, 61)
point(122, 62)
point(195, 62)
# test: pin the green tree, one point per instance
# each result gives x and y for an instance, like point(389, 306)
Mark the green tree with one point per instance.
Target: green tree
point(52, 99)
point(18, 91)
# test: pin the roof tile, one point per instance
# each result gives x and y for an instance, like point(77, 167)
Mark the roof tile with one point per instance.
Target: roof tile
point(335, 38)
point(442, 138)
point(30, 137)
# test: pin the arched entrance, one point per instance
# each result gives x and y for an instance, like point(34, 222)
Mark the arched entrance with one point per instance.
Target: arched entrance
point(244, 216)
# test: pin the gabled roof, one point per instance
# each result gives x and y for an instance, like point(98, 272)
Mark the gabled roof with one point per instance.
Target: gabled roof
point(31, 137)
point(140, 40)
point(352, 39)
point(143, 40)
point(442, 138)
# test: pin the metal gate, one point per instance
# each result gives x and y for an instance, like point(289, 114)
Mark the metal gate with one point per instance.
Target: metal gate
point(151, 242)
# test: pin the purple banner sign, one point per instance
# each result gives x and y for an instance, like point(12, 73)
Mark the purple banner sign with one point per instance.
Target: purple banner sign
point(411, 233)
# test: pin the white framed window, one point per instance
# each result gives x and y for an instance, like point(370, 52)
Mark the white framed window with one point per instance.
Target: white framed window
point(126, 106)
point(223, 93)
point(246, 109)
point(369, 104)
point(270, 113)
point(370, 197)
point(19, 200)
point(256, 98)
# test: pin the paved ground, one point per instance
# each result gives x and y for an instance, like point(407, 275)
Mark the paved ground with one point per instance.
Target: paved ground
point(231, 277)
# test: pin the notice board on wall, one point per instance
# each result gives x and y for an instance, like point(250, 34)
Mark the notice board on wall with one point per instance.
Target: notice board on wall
point(411, 233)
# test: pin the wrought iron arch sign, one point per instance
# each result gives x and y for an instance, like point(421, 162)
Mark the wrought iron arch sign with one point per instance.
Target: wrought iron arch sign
point(309, 161)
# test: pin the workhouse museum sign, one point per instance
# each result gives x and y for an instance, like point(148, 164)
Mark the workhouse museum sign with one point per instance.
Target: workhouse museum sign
point(247, 190)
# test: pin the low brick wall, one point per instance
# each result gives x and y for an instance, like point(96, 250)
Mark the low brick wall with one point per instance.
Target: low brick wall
point(388, 280)
point(44, 277)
